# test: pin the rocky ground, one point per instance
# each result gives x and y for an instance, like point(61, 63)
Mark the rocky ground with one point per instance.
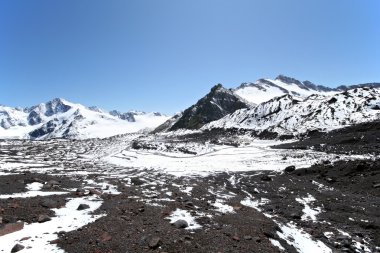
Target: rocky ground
point(330, 207)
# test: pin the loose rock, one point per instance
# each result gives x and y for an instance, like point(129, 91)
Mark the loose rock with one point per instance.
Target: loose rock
point(83, 207)
point(181, 224)
point(154, 242)
point(17, 248)
point(43, 218)
point(290, 168)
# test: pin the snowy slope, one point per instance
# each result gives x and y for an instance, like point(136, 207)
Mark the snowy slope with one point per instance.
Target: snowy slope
point(265, 89)
point(288, 115)
point(10, 117)
point(62, 119)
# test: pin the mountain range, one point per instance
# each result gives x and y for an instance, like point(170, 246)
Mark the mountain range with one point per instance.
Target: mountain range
point(59, 118)
point(289, 115)
point(271, 97)
point(283, 105)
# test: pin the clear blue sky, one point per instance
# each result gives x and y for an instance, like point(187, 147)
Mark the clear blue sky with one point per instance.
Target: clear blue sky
point(163, 55)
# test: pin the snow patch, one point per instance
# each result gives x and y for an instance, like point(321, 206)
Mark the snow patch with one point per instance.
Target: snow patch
point(180, 214)
point(67, 219)
point(308, 212)
point(301, 240)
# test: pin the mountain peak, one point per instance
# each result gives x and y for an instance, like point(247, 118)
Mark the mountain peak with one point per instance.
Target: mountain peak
point(218, 86)
point(215, 105)
point(288, 80)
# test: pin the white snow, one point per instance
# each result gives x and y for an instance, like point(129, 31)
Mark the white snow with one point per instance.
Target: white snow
point(266, 91)
point(80, 122)
point(277, 244)
point(308, 212)
point(180, 214)
point(34, 190)
point(222, 207)
point(105, 187)
point(187, 190)
point(253, 203)
point(301, 240)
point(35, 186)
point(256, 156)
point(67, 219)
point(322, 186)
point(285, 115)
point(30, 194)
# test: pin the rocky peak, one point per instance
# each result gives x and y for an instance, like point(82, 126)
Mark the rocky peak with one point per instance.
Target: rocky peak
point(288, 80)
point(128, 116)
point(215, 105)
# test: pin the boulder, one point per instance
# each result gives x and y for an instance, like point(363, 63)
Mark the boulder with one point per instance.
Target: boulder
point(17, 248)
point(11, 227)
point(83, 207)
point(181, 224)
point(154, 242)
point(43, 218)
point(290, 168)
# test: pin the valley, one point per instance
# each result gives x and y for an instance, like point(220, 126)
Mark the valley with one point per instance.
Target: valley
point(296, 172)
point(247, 198)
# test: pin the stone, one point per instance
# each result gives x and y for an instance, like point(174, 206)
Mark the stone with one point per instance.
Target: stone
point(326, 162)
point(80, 192)
point(181, 224)
point(83, 207)
point(154, 242)
point(266, 178)
point(189, 204)
point(11, 227)
point(95, 192)
point(136, 181)
point(43, 218)
point(17, 248)
point(269, 234)
point(290, 168)
point(49, 203)
point(53, 182)
point(296, 216)
point(105, 237)
point(331, 179)
point(47, 186)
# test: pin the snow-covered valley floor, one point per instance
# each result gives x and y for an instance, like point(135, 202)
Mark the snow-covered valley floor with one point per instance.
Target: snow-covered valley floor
point(233, 199)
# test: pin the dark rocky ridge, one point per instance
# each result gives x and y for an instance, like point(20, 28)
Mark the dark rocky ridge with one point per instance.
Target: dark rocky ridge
point(215, 105)
point(362, 138)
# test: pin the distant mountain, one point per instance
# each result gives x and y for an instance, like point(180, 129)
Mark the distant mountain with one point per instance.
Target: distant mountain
point(265, 89)
point(164, 127)
point(349, 87)
point(288, 114)
point(215, 105)
point(62, 119)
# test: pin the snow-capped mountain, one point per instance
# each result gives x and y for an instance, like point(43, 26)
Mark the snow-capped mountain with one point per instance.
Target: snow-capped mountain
point(290, 115)
point(265, 89)
point(62, 119)
point(215, 105)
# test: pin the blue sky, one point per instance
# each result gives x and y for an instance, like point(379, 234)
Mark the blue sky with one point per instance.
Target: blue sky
point(163, 55)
